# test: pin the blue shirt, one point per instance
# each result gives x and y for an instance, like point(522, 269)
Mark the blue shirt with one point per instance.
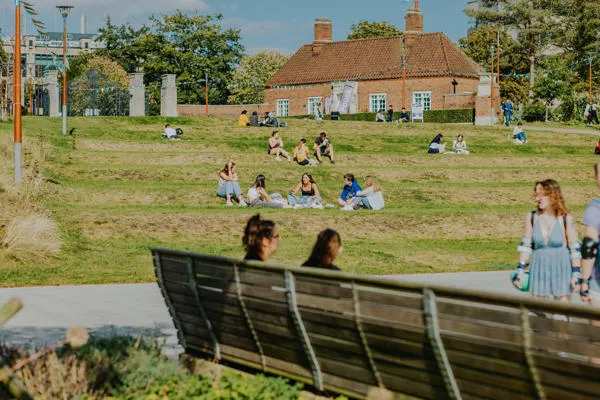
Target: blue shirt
point(507, 107)
point(591, 217)
point(349, 192)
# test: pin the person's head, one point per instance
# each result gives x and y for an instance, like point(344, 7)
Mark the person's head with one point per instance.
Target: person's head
point(326, 249)
point(370, 181)
point(519, 124)
point(548, 196)
point(390, 106)
point(229, 167)
point(438, 138)
point(403, 109)
point(266, 113)
point(348, 179)
point(260, 239)
point(275, 134)
point(459, 138)
point(259, 182)
point(254, 113)
point(323, 135)
point(306, 178)
point(167, 126)
point(244, 112)
point(302, 141)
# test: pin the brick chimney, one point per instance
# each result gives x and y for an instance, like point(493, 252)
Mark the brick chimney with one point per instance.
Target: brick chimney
point(414, 23)
point(323, 34)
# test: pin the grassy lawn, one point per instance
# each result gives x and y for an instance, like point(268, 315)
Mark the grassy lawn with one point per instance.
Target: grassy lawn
point(116, 189)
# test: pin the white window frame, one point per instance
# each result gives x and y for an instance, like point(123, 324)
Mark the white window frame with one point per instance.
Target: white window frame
point(282, 107)
point(380, 99)
point(418, 97)
point(311, 102)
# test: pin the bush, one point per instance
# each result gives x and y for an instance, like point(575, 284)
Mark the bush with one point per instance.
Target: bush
point(463, 115)
point(535, 111)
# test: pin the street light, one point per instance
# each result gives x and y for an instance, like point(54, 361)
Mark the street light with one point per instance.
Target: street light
point(64, 11)
point(404, 56)
point(18, 138)
point(492, 49)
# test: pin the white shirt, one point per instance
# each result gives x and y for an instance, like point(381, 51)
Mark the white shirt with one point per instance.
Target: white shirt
point(253, 194)
point(170, 132)
point(375, 199)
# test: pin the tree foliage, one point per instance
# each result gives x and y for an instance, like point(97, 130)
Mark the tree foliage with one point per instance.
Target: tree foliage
point(187, 45)
point(368, 29)
point(250, 76)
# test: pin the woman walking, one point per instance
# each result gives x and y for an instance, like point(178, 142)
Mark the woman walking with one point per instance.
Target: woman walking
point(550, 239)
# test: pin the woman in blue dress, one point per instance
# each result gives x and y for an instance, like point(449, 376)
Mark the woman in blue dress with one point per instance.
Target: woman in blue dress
point(551, 240)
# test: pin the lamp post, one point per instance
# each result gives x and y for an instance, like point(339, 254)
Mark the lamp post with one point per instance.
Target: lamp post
point(404, 56)
point(590, 77)
point(492, 86)
point(18, 138)
point(206, 93)
point(64, 11)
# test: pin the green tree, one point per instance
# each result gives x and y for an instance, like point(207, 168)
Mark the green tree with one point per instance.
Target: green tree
point(532, 21)
point(368, 29)
point(248, 79)
point(512, 63)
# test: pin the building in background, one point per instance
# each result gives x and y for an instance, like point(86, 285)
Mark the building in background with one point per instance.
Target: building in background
point(368, 75)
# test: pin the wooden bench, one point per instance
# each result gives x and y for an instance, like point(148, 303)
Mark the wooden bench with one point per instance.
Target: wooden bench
point(350, 333)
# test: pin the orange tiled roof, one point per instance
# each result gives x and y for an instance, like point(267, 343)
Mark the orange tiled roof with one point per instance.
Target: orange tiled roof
point(431, 54)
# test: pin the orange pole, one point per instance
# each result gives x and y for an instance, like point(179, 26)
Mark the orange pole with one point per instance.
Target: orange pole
point(18, 130)
point(498, 59)
point(206, 101)
point(590, 77)
point(404, 86)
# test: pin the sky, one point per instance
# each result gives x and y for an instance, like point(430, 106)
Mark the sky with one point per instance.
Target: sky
point(278, 24)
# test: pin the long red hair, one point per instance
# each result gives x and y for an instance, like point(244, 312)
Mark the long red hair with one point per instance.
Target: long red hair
point(551, 189)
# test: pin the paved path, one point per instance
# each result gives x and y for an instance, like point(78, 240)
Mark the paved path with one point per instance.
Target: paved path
point(589, 130)
point(130, 309)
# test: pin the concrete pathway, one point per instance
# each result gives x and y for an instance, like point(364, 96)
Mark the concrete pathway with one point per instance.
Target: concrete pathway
point(587, 130)
point(131, 309)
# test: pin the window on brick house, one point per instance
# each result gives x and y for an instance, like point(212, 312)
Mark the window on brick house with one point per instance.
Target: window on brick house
point(312, 103)
point(423, 98)
point(282, 107)
point(377, 102)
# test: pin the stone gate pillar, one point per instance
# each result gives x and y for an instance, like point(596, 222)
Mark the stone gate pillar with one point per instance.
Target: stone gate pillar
point(51, 84)
point(137, 95)
point(483, 110)
point(168, 96)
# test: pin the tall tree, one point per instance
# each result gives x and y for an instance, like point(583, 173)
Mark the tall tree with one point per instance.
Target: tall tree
point(248, 79)
point(368, 29)
point(532, 22)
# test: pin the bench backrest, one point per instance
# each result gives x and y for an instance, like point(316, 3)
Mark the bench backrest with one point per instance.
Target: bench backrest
point(351, 333)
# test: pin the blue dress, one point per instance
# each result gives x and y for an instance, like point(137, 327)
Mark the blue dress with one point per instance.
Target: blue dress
point(550, 266)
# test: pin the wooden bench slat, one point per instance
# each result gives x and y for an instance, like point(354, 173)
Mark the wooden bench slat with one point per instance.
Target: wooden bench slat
point(484, 347)
point(348, 370)
point(484, 331)
point(578, 330)
point(487, 364)
point(491, 392)
point(477, 312)
point(389, 298)
point(320, 287)
point(574, 383)
point(564, 345)
point(412, 387)
point(554, 363)
point(392, 314)
point(519, 385)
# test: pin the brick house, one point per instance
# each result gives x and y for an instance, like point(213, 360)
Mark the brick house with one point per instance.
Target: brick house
point(366, 75)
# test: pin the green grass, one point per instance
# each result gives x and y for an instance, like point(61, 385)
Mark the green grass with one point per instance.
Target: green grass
point(119, 189)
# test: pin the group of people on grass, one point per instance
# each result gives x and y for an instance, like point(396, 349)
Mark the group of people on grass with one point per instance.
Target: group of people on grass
point(383, 116)
point(261, 241)
point(269, 120)
point(559, 263)
point(322, 148)
point(304, 195)
point(459, 145)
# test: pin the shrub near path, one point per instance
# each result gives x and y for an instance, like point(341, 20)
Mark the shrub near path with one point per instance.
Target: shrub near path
point(116, 188)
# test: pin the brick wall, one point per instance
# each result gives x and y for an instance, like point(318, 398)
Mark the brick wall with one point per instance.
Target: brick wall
point(187, 110)
point(462, 100)
point(439, 87)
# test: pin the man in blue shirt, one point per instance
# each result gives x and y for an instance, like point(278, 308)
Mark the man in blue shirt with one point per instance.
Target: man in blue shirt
point(351, 187)
point(507, 110)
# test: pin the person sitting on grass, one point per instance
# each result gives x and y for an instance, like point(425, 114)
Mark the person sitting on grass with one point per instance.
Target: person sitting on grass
point(243, 120)
point(271, 121)
point(254, 119)
point(390, 114)
point(518, 135)
point(323, 147)
point(258, 197)
point(371, 198)
point(170, 133)
point(459, 146)
point(597, 149)
point(351, 187)
point(380, 116)
point(404, 116)
point(276, 147)
point(229, 186)
point(309, 193)
point(301, 154)
point(326, 249)
point(436, 146)
point(261, 239)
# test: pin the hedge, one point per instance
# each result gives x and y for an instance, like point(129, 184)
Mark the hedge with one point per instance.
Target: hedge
point(463, 115)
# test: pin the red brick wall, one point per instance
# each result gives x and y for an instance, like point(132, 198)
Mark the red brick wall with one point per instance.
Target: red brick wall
point(439, 87)
point(187, 110)
point(463, 100)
